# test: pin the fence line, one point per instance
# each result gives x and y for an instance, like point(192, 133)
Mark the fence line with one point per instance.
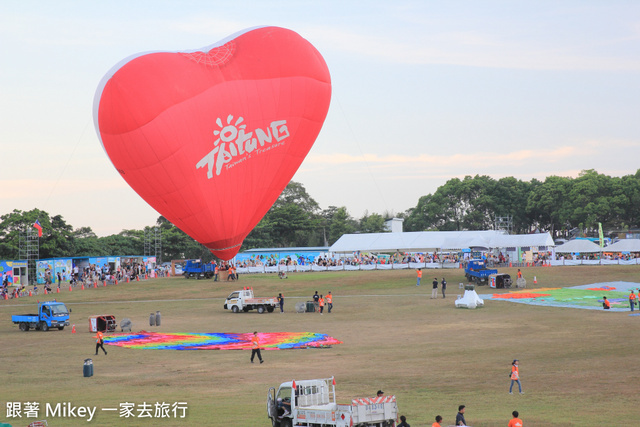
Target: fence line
point(425, 265)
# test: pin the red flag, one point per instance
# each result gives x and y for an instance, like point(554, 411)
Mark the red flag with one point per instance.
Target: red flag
point(38, 227)
point(294, 385)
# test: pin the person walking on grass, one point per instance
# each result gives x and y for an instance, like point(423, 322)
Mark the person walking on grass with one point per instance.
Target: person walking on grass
point(255, 347)
point(515, 376)
point(444, 287)
point(100, 343)
point(329, 300)
point(434, 291)
point(632, 299)
point(419, 273)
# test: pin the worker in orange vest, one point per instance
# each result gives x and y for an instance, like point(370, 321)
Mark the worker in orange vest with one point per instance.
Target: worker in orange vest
point(632, 299)
point(438, 421)
point(329, 299)
point(419, 272)
point(321, 303)
point(255, 347)
point(515, 376)
point(100, 342)
point(606, 304)
point(216, 271)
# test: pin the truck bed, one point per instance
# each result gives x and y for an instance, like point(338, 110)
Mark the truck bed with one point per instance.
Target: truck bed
point(26, 318)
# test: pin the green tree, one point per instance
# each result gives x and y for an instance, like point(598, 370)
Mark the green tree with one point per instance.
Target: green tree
point(341, 223)
point(373, 223)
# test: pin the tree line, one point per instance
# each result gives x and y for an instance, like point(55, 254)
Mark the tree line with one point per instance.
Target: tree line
point(559, 205)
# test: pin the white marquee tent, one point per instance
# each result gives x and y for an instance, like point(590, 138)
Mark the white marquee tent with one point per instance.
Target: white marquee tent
point(625, 245)
point(426, 241)
point(578, 246)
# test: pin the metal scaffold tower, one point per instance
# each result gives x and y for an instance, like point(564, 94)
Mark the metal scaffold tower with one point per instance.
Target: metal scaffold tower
point(504, 223)
point(29, 250)
point(153, 243)
point(158, 244)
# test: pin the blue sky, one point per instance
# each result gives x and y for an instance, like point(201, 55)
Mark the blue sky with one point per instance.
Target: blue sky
point(423, 91)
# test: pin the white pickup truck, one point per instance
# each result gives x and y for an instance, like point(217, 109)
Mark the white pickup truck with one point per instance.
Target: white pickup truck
point(244, 301)
point(313, 403)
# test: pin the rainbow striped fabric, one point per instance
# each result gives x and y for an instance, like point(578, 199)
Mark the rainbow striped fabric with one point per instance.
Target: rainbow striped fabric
point(220, 341)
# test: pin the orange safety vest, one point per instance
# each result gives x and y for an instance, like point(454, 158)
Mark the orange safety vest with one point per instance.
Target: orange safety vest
point(515, 422)
point(321, 302)
point(255, 342)
point(329, 299)
point(607, 303)
point(99, 337)
point(632, 296)
point(420, 274)
point(515, 373)
point(216, 270)
point(436, 424)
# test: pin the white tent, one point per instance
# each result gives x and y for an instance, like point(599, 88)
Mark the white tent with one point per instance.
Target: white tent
point(578, 246)
point(625, 245)
point(424, 241)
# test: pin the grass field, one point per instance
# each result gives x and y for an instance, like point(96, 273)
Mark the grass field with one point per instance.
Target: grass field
point(578, 367)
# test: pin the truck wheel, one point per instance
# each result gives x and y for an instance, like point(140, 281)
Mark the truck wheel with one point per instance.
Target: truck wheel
point(60, 328)
point(24, 327)
point(286, 422)
point(260, 309)
point(44, 326)
point(235, 309)
point(270, 309)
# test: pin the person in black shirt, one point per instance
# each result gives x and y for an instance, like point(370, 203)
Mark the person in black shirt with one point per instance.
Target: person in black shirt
point(403, 423)
point(460, 421)
point(316, 301)
point(444, 287)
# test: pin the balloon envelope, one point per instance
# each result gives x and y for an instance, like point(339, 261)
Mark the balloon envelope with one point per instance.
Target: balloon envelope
point(210, 138)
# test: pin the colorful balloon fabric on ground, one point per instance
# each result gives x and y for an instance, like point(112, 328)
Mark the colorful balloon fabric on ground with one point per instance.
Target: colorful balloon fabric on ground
point(585, 296)
point(220, 341)
point(210, 138)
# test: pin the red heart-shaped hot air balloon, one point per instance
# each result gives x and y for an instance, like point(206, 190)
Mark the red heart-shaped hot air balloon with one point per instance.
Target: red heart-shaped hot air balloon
point(210, 138)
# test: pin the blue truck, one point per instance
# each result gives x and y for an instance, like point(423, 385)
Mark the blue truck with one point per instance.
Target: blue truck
point(198, 269)
point(477, 272)
point(51, 314)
